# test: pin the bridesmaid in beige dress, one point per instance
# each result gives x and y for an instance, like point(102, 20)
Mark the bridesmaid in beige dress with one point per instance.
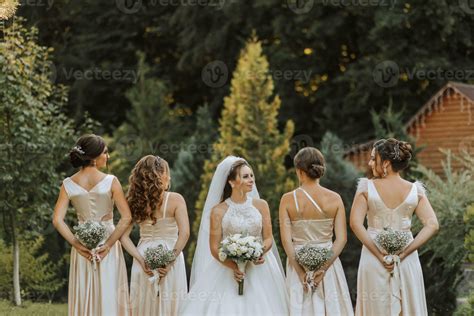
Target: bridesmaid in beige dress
point(163, 219)
point(390, 201)
point(309, 214)
point(102, 290)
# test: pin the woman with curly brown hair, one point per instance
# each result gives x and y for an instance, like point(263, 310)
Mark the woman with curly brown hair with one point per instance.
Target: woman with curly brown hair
point(391, 287)
point(163, 220)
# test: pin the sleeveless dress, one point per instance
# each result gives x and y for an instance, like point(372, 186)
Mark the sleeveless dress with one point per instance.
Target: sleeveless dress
point(173, 287)
point(264, 286)
point(377, 292)
point(104, 290)
point(332, 295)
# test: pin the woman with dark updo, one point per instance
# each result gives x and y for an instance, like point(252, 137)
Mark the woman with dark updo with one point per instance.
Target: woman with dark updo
point(309, 215)
point(100, 289)
point(390, 287)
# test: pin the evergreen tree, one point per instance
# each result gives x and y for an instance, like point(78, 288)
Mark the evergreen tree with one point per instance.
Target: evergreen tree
point(152, 126)
point(443, 256)
point(249, 128)
point(34, 137)
point(189, 164)
point(341, 176)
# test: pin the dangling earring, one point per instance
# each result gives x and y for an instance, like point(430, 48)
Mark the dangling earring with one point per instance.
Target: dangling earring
point(94, 163)
point(384, 172)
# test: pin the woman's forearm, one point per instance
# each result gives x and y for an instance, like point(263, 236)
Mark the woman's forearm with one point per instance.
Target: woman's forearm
point(119, 230)
point(337, 248)
point(181, 242)
point(362, 234)
point(425, 234)
point(130, 247)
point(267, 245)
point(65, 231)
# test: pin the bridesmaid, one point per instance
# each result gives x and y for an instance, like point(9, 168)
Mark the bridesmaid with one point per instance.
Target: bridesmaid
point(163, 219)
point(309, 214)
point(104, 290)
point(390, 201)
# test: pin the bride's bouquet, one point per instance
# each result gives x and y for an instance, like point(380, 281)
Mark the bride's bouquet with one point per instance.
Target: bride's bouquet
point(393, 242)
point(91, 234)
point(157, 257)
point(241, 250)
point(312, 258)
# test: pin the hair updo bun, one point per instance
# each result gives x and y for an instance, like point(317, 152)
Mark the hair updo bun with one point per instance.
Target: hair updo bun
point(399, 153)
point(86, 149)
point(311, 161)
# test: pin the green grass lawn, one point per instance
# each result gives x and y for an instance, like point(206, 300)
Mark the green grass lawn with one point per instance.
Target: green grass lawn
point(32, 309)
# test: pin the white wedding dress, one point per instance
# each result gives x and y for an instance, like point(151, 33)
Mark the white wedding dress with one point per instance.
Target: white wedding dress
point(214, 290)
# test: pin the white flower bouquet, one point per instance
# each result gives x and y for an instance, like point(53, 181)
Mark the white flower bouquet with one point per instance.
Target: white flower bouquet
point(91, 234)
point(157, 257)
point(393, 242)
point(240, 249)
point(312, 258)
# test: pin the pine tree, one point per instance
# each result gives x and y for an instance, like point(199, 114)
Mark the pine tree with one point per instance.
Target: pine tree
point(152, 126)
point(341, 176)
point(188, 166)
point(249, 129)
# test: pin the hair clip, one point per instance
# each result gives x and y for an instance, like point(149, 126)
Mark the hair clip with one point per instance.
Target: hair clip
point(397, 151)
point(78, 149)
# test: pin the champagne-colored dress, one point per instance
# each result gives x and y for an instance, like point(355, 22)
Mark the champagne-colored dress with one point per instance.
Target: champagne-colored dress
point(172, 288)
point(379, 293)
point(332, 295)
point(100, 290)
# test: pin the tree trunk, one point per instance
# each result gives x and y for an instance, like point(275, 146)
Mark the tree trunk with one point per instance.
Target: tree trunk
point(16, 262)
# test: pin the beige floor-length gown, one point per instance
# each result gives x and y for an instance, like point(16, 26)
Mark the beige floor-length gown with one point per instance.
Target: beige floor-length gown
point(332, 295)
point(173, 287)
point(103, 290)
point(377, 292)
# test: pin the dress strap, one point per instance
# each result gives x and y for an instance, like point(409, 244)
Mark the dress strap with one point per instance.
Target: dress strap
point(312, 201)
point(296, 202)
point(166, 204)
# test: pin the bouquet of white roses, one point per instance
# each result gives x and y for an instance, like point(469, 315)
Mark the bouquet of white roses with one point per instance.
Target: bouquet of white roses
point(240, 249)
point(393, 242)
point(312, 258)
point(157, 257)
point(91, 234)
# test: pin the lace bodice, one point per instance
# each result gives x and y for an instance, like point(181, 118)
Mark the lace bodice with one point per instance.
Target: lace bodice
point(380, 216)
point(242, 218)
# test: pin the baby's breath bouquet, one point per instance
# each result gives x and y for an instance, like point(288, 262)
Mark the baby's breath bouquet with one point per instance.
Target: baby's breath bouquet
point(240, 249)
point(312, 258)
point(157, 257)
point(393, 242)
point(91, 234)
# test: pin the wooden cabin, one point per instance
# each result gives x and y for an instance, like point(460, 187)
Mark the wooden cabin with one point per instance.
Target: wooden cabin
point(446, 121)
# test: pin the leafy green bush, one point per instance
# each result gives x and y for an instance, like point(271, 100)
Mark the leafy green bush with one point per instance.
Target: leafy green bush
point(442, 257)
point(39, 276)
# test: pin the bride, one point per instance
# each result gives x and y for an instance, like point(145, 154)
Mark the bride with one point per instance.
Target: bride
point(233, 206)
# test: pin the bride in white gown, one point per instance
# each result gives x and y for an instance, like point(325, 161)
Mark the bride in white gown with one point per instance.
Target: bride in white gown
point(233, 206)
